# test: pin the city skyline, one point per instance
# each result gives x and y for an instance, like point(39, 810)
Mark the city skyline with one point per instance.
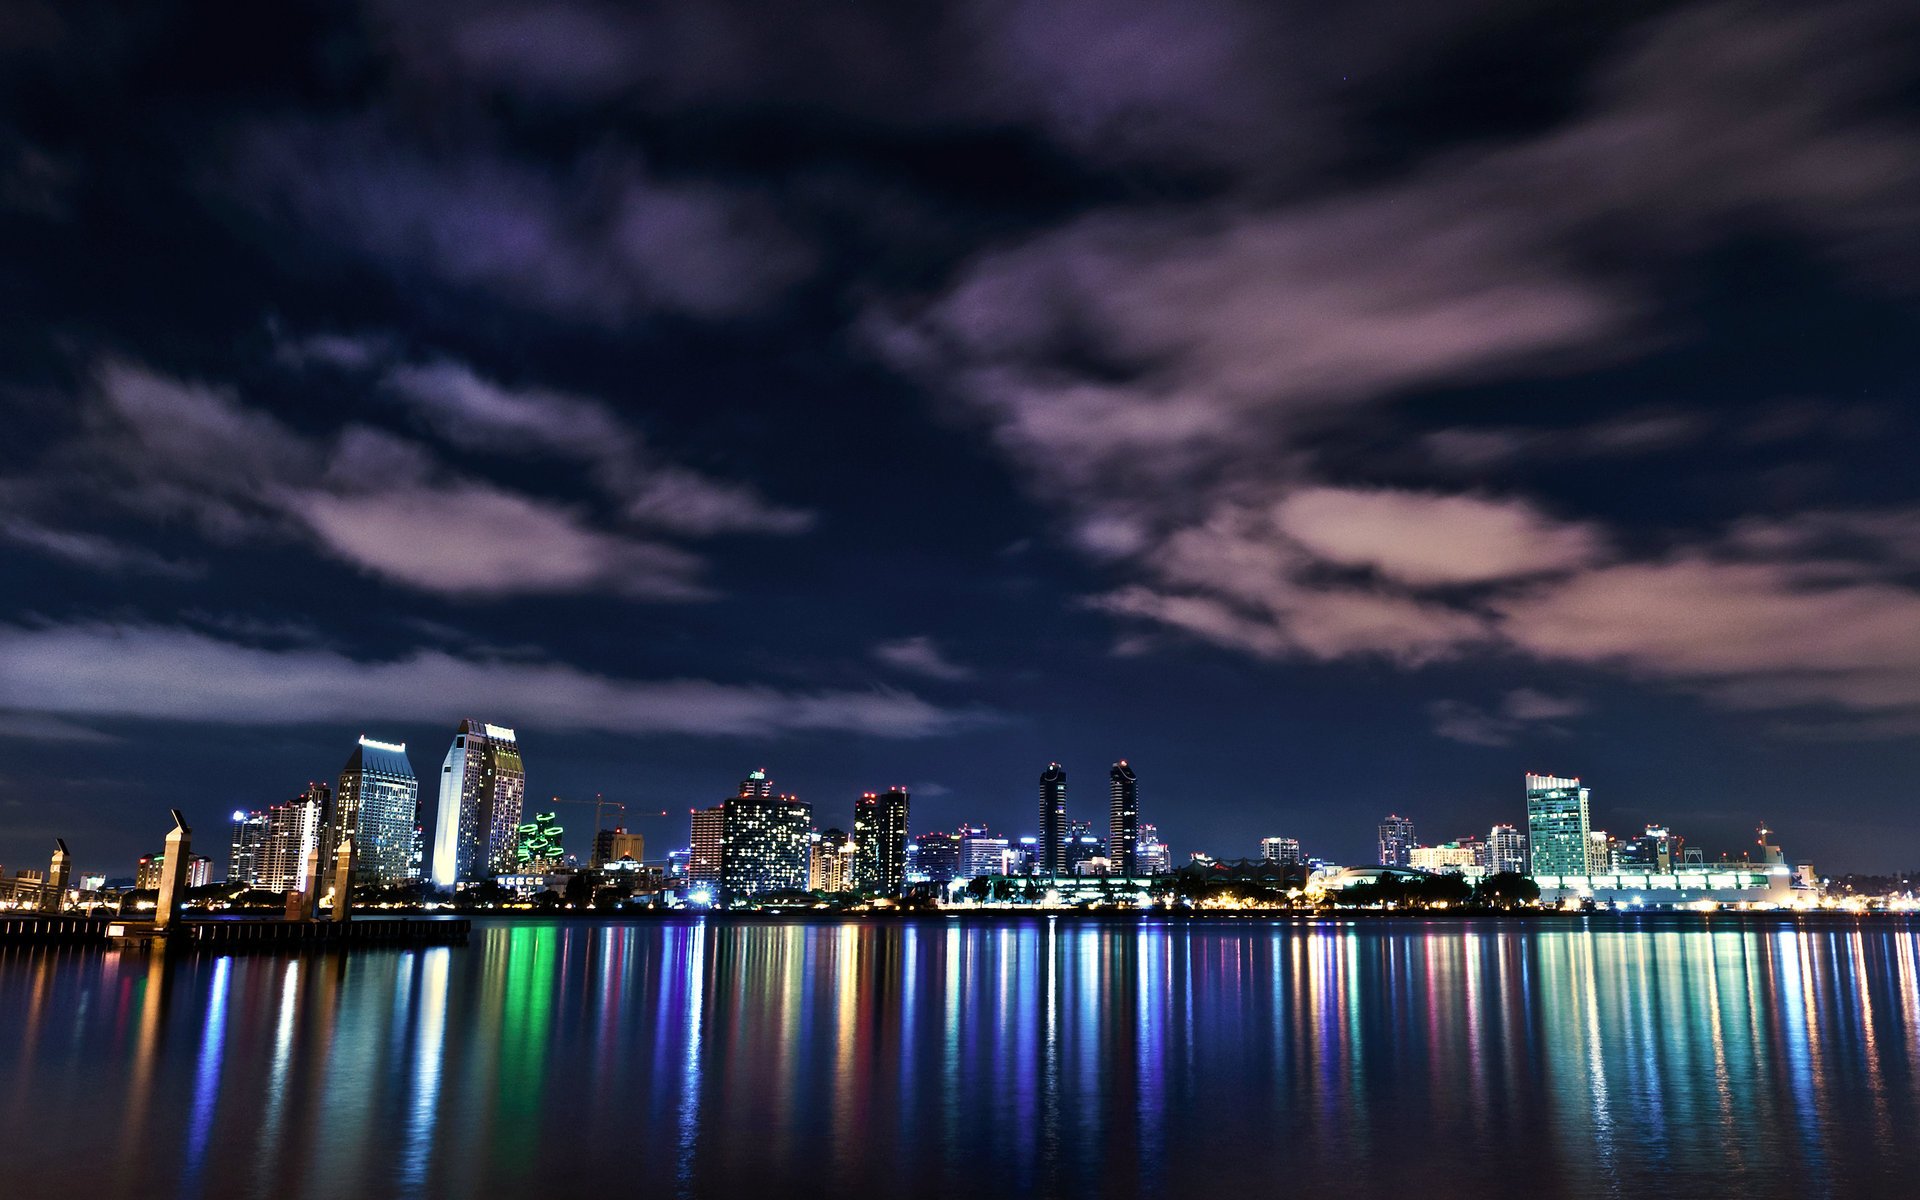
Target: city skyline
point(1242, 395)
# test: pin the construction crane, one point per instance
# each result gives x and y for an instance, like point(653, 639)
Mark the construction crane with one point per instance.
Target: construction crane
point(600, 804)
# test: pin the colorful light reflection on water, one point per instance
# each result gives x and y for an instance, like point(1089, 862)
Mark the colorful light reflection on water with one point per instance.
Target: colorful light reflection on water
point(1029, 1056)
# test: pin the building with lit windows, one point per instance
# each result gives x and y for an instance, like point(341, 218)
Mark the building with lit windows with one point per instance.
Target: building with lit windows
point(1123, 820)
point(830, 868)
point(981, 853)
point(293, 829)
point(756, 784)
point(1397, 841)
point(939, 857)
point(880, 833)
point(245, 857)
point(1559, 827)
point(378, 804)
point(703, 858)
point(1283, 851)
point(1448, 858)
point(614, 845)
point(483, 784)
point(1506, 850)
point(1155, 857)
point(764, 846)
point(1050, 852)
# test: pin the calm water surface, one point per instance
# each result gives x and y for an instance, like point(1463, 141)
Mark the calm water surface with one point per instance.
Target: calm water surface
point(930, 1058)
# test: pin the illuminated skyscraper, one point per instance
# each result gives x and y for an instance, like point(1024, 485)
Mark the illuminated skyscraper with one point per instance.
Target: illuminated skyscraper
point(1282, 851)
point(1558, 826)
point(1506, 850)
point(757, 784)
point(703, 860)
point(1051, 850)
point(939, 856)
point(245, 860)
point(880, 834)
point(765, 843)
point(379, 804)
point(293, 829)
point(1155, 858)
point(831, 866)
point(1123, 820)
point(1396, 841)
point(482, 786)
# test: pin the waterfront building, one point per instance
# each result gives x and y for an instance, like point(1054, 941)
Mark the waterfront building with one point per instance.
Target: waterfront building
point(613, 845)
point(146, 872)
point(1123, 820)
point(1082, 847)
point(1558, 825)
point(981, 853)
point(677, 861)
point(939, 857)
point(1397, 841)
point(293, 829)
point(1051, 850)
point(537, 847)
point(1658, 849)
point(483, 784)
point(1155, 857)
point(830, 867)
point(378, 804)
point(1506, 850)
point(703, 859)
point(1282, 851)
point(880, 832)
point(1450, 858)
point(764, 842)
point(245, 858)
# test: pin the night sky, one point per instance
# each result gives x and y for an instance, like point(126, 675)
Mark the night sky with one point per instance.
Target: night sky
point(1331, 409)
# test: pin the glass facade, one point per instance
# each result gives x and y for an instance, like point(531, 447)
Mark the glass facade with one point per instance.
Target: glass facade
point(1397, 841)
point(482, 787)
point(1051, 851)
point(1123, 821)
point(765, 846)
point(880, 837)
point(1559, 828)
point(379, 805)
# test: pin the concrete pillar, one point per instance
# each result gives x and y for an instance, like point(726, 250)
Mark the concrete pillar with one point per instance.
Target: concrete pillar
point(343, 879)
point(310, 895)
point(173, 874)
point(53, 898)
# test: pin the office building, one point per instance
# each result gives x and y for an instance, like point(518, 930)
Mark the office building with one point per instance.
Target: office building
point(483, 784)
point(1050, 852)
point(616, 844)
point(939, 857)
point(764, 846)
point(757, 784)
point(1558, 825)
point(245, 858)
point(1659, 850)
point(1155, 857)
point(146, 872)
point(1506, 850)
point(1083, 847)
point(379, 805)
point(880, 833)
point(703, 858)
point(1450, 858)
point(293, 829)
point(981, 853)
point(1397, 841)
point(1123, 820)
point(1281, 851)
point(830, 866)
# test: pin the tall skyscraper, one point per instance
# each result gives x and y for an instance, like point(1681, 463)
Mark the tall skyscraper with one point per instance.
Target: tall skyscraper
point(379, 805)
point(1506, 850)
point(1123, 820)
point(1558, 825)
point(245, 860)
point(1396, 841)
point(880, 835)
point(293, 829)
point(482, 786)
point(1282, 851)
point(764, 846)
point(1051, 851)
point(831, 866)
point(703, 860)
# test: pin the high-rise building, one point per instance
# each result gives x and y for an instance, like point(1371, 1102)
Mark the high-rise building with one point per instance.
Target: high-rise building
point(245, 860)
point(1282, 851)
point(1396, 841)
point(1155, 857)
point(1083, 847)
point(939, 856)
point(757, 784)
point(1558, 825)
point(146, 872)
point(612, 845)
point(1450, 858)
point(830, 865)
point(379, 805)
point(1050, 857)
point(483, 784)
point(981, 853)
point(880, 832)
point(703, 863)
point(764, 846)
point(1123, 820)
point(1506, 850)
point(293, 829)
